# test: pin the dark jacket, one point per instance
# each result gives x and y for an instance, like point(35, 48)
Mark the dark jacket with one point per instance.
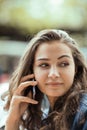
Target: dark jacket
point(80, 120)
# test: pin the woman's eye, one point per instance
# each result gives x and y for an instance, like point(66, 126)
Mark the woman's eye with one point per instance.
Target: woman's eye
point(63, 64)
point(45, 65)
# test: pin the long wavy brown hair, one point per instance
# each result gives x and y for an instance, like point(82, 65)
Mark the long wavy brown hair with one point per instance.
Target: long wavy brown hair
point(62, 115)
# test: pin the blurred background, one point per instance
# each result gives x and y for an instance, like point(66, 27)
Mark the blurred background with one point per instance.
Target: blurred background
point(21, 19)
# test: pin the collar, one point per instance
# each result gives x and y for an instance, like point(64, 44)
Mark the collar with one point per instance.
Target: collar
point(45, 107)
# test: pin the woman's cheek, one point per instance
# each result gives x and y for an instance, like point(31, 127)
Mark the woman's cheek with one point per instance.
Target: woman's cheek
point(40, 75)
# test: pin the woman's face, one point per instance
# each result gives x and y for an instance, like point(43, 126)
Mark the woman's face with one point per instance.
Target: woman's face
point(54, 68)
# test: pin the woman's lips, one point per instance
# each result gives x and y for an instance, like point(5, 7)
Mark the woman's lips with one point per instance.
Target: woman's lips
point(54, 83)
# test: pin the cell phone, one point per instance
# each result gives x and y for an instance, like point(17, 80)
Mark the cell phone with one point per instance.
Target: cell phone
point(32, 89)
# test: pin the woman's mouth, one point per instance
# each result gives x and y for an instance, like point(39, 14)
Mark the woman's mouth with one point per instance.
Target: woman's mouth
point(54, 83)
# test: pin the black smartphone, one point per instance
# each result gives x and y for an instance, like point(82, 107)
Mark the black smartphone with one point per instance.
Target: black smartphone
point(30, 88)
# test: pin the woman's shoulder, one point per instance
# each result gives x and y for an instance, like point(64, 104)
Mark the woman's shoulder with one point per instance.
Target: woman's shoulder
point(83, 100)
point(82, 108)
point(80, 120)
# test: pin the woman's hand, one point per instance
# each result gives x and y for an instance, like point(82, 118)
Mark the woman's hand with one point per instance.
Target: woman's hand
point(19, 103)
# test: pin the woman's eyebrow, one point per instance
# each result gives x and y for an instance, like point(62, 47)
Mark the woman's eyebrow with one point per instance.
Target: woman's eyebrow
point(63, 56)
point(43, 59)
point(39, 59)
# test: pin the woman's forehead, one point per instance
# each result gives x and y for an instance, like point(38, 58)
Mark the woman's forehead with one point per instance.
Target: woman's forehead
point(55, 49)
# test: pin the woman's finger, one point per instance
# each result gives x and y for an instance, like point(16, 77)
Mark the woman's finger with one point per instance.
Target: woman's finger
point(24, 85)
point(27, 77)
point(19, 99)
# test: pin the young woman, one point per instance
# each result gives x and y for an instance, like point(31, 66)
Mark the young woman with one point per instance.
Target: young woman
point(48, 89)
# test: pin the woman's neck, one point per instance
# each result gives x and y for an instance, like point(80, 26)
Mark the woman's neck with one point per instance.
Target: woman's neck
point(52, 101)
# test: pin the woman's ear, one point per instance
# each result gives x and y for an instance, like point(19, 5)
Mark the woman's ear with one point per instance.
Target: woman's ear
point(75, 70)
point(75, 74)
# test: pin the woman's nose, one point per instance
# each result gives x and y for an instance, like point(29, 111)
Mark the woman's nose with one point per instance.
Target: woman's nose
point(54, 73)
